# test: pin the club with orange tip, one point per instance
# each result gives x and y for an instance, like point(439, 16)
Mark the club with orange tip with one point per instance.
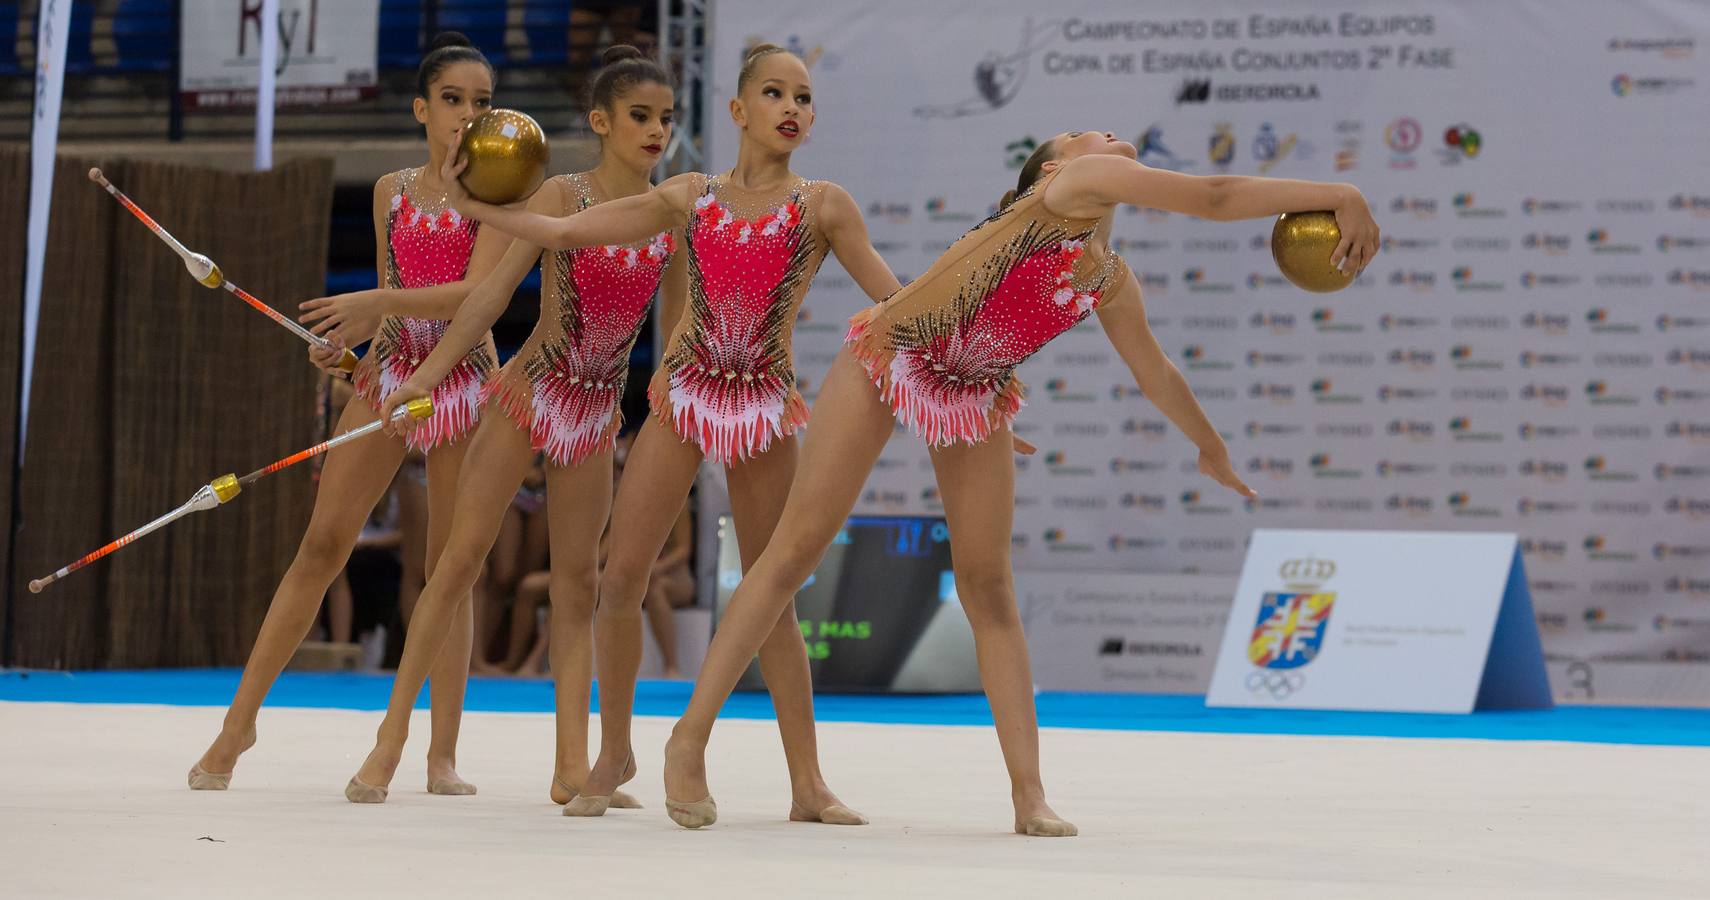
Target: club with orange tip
point(208, 274)
point(225, 487)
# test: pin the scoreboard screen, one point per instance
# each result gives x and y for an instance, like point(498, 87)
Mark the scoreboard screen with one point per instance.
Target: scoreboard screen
point(880, 614)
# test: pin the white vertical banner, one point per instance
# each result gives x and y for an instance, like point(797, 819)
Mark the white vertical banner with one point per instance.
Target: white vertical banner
point(53, 33)
point(266, 81)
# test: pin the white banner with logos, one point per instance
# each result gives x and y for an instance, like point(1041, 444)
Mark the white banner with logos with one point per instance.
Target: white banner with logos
point(1528, 354)
point(53, 36)
point(326, 51)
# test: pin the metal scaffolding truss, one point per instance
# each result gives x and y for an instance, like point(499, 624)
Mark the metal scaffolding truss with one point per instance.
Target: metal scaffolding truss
point(683, 39)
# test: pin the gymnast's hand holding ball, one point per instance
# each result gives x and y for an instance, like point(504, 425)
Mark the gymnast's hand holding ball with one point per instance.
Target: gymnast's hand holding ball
point(499, 158)
point(1325, 251)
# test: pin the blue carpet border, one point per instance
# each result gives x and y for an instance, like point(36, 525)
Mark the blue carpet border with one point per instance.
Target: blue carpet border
point(1119, 712)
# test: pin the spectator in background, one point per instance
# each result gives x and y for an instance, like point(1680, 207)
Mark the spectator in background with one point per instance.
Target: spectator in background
point(671, 587)
point(380, 532)
point(598, 24)
point(520, 548)
point(529, 625)
point(670, 583)
point(410, 489)
point(368, 588)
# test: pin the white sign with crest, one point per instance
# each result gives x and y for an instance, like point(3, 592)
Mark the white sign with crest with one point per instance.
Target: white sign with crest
point(1381, 620)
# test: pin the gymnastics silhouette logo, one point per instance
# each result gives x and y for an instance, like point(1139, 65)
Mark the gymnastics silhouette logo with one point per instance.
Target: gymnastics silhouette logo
point(998, 76)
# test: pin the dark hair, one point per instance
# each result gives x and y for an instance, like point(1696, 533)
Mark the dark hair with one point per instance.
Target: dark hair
point(622, 68)
point(1030, 171)
point(755, 54)
point(448, 47)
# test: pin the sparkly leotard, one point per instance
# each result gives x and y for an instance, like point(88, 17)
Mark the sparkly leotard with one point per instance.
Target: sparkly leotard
point(728, 381)
point(564, 385)
point(424, 248)
point(944, 349)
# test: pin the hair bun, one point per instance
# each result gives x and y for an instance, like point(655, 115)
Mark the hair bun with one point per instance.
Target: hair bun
point(450, 39)
point(618, 53)
point(1008, 198)
point(758, 49)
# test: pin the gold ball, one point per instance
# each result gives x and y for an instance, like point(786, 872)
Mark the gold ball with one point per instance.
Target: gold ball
point(507, 156)
point(1302, 243)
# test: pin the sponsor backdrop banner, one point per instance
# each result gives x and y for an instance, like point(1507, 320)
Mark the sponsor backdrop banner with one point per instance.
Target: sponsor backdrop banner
point(1529, 353)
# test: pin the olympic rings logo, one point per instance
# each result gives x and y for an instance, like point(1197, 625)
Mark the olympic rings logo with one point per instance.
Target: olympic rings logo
point(1280, 685)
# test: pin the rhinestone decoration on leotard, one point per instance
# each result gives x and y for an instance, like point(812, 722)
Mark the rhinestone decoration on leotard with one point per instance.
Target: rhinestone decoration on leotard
point(945, 348)
point(728, 381)
point(564, 386)
point(424, 248)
